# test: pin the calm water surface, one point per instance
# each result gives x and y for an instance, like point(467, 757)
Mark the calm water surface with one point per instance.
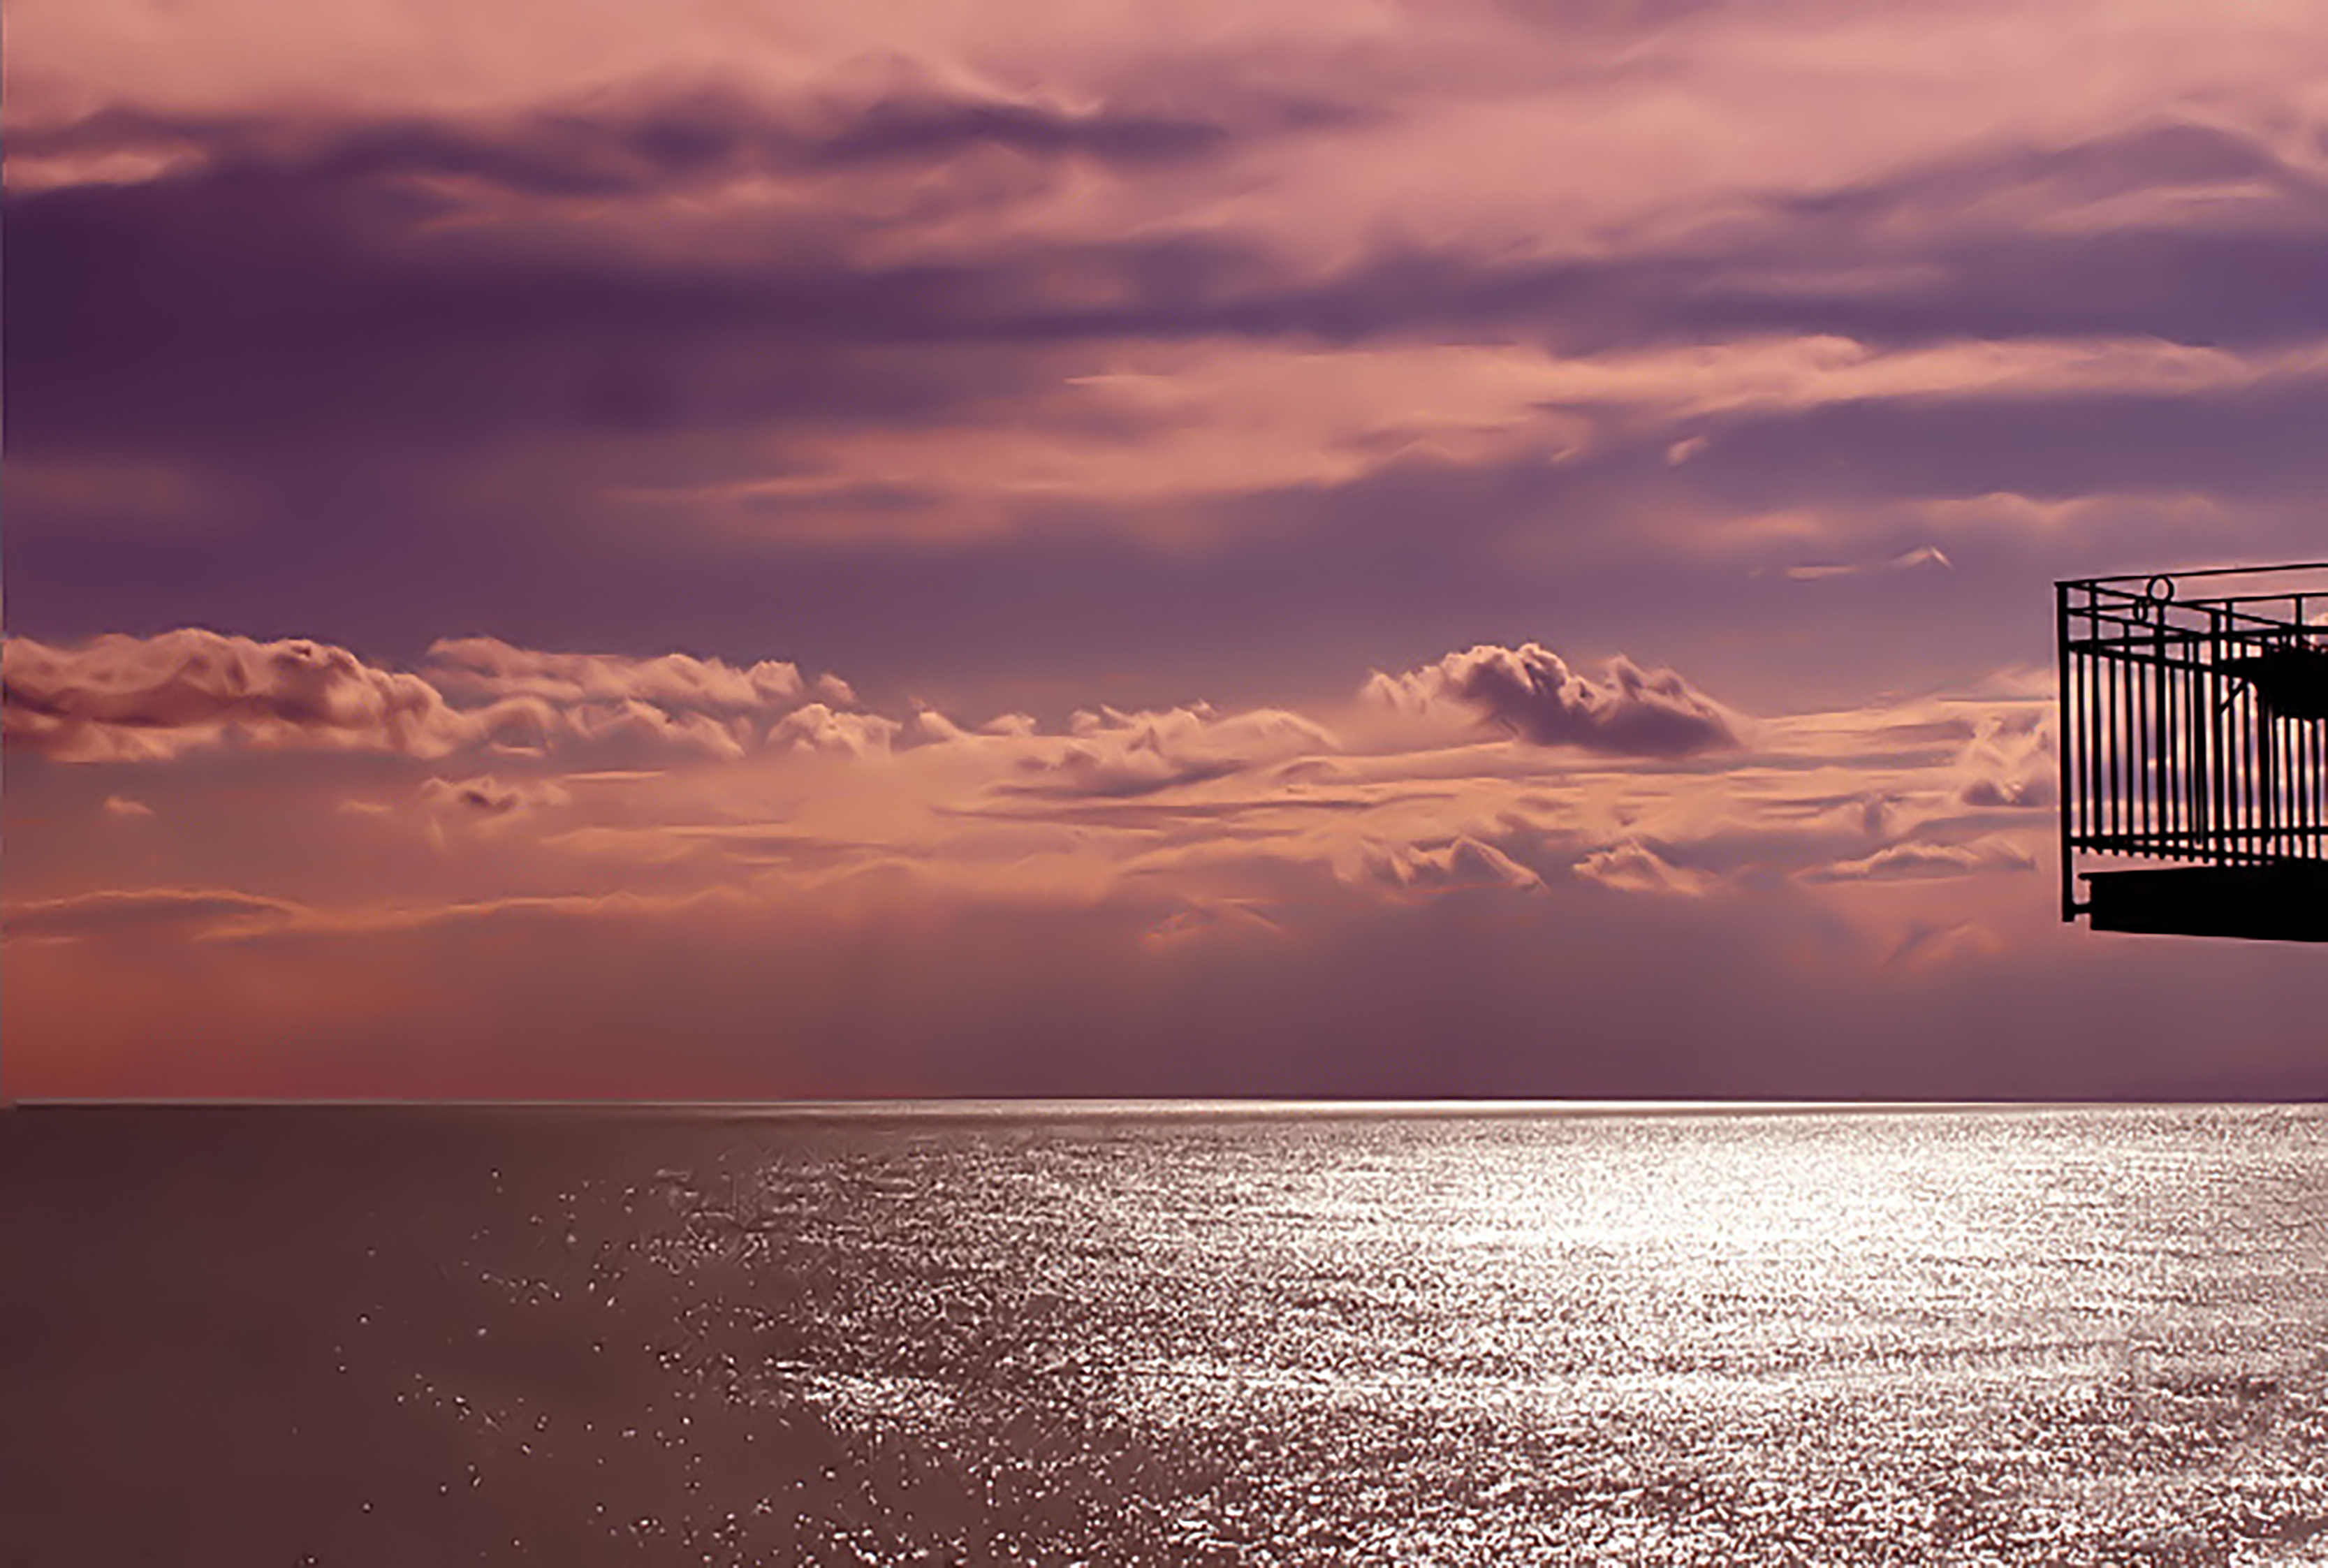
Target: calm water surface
point(1184, 1336)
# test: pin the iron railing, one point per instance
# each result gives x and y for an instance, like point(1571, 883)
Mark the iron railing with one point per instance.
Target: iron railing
point(2189, 717)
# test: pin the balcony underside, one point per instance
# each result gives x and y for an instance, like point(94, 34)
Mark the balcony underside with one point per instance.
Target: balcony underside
point(2287, 902)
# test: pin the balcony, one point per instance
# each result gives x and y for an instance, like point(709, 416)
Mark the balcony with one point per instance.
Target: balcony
point(2193, 752)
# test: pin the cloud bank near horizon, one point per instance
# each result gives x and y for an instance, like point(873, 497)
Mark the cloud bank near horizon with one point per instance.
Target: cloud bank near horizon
point(298, 804)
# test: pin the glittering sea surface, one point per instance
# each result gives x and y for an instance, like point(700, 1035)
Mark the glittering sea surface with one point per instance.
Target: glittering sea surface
point(1190, 1334)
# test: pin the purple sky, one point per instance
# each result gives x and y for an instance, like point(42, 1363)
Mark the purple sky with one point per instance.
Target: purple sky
point(1467, 549)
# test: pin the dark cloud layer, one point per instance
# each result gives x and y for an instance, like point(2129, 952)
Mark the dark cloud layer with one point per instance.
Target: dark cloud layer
point(417, 399)
point(1531, 692)
point(252, 293)
point(119, 699)
point(123, 697)
point(2212, 241)
point(652, 146)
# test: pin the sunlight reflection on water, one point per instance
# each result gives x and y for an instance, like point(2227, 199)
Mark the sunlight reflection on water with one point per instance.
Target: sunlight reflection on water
point(2027, 1337)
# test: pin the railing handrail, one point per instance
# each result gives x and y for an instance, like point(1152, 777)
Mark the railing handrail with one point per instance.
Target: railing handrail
point(2153, 607)
point(2194, 572)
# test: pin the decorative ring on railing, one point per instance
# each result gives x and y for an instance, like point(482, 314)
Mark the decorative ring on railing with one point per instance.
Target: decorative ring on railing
point(2159, 590)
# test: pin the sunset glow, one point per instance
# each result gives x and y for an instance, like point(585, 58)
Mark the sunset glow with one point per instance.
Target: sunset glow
point(569, 550)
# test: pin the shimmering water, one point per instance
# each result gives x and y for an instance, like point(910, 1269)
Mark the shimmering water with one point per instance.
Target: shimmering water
point(1997, 1337)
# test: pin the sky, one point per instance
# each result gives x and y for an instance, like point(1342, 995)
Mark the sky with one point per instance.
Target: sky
point(1483, 549)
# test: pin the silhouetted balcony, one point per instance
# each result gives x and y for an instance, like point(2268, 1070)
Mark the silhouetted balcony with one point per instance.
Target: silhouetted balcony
point(2194, 750)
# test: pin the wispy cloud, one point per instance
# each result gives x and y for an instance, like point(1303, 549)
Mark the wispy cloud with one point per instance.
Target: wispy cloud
point(1906, 561)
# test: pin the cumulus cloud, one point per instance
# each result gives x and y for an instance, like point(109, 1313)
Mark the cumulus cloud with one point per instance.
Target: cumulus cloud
point(1198, 922)
point(1895, 862)
point(1460, 863)
point(489, 668)
point(644, 723)
point(1532, 693)
point(1144, 846)
point(1267, 809)
point(2009, 762)
point(928, 726)
point(1632, 867)
point(485, 796)
point(820, 728)
point(1119, 755)
point(120, 698)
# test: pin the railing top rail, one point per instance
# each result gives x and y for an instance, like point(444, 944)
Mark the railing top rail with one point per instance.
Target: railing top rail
point(2104, 594)
point(2095, 596)
point(2271, 603)
point(2141, 577)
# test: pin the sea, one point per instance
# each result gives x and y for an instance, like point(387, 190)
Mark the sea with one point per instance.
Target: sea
point(1208, 1334)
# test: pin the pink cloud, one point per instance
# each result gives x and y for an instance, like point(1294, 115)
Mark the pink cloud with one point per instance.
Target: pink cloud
point(1908, 560)
point(1267, 807)
point(122, 699)
point(1460, 863)
point(1212, 868)
point(1532, 693)
point(820, 728)
point(1117, 755)
point(490, 669)
point(2010, 762)
point(654, 728)
point(1906, 860)
point(1217, 921)
point(1940, 947)
point(149, 913)
point(485, 796)
point(1634, 868)
point(1154, 439)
